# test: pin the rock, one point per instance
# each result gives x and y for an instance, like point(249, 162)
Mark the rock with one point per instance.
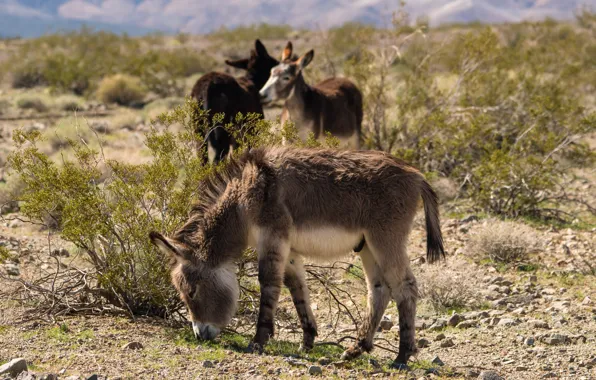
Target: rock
point(437, 361)
point(93, 377)
point(374, 363)
point(538, 324)
point(14, 367)
point(49, 376)
point(587, 301)
point(208, 364)
point(438, 325)
point(529, 341)
point(132, 346)
point(472, 373)
point(521, 368)
point(340, 363)
point(507, 322)
point(489, 375)
point(73, 377)
point(447, 343)
point(324, 361)
point(466, 324)
point(423, 343)
point(555, 339)
point(439, 337)
point(26, 376)
point(454, 320)
point(12, 269)
point(386, 323)
point(315, 370)
point(468, 219)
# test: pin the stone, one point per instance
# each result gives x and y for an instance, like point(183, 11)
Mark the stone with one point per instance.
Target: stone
point(521, 368)
point(14, 367)
point(93, 377)
point(374, 363)
point(12, 269)
point(447, 343)
point(439, 337)
point(438, 325)
point(386, 323)
point(529, 341)
point(208, 364)
point(423, 343)
point(454, 320)
point(489, 375)
point(324, 361)
point(587, 301)
point(436, 360)
point(466, 324)
point(538, 324)
point(49, 376)
point(132, 346)
point(507, 322)
point(315, 370)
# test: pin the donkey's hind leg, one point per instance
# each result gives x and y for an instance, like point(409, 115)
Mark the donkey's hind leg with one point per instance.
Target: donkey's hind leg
point(378, 298)
point(295, 280)
point(390, 255)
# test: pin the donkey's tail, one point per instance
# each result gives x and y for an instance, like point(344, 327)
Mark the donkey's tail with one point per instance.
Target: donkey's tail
point(434, 238)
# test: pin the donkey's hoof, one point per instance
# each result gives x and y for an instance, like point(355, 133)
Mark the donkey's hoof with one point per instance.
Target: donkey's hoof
point(351, 353)
point(254, 348)
point(305, 348)
point(399, 366)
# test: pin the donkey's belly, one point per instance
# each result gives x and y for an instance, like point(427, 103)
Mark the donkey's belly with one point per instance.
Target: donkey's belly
point(324, 242)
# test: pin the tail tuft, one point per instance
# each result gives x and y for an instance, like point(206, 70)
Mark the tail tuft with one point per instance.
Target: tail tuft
point(434, 238)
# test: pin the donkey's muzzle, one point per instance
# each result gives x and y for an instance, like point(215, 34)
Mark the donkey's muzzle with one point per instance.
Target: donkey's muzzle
point(205, 331)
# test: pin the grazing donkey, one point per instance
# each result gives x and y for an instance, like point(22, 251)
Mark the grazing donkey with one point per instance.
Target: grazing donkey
point(220, 92)
point(333, 105)
point(292, 203)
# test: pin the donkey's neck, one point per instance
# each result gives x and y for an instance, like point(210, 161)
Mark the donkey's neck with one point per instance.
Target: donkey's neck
point(299, 100)
point(257, 79)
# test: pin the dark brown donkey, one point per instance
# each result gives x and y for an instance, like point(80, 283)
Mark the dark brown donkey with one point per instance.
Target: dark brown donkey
point(292, 203)
point(333, 105)
point(221, 92)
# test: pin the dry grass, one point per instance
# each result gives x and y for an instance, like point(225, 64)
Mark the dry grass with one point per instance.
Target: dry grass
point(121, 89)
point(445, 289)
point(503, 242)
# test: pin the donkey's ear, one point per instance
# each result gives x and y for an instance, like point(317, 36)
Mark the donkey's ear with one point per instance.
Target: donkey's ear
point(305, 59)
point(167, 246)
point(287, 53)
point(260, 49)
point(239, 64)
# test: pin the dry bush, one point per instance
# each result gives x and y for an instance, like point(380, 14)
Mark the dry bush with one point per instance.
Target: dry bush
point(445, 289)
point(121, 89)
point(503, 241)
point(33, 103)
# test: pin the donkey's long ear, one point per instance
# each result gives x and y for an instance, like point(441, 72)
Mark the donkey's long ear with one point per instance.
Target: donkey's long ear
point(260, 49)
point(305, 59)
point(239, 64)
point(287, 53)
point(165, 245)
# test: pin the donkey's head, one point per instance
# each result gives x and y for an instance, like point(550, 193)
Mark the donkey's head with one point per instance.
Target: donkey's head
point(283, 77)
point(258, 65)
point(210, 293)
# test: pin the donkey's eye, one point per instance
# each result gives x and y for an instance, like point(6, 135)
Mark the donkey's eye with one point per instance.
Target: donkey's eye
point(191, 292)
point(285, 78)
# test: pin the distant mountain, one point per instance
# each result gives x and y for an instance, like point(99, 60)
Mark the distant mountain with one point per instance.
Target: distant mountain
point(34, 17)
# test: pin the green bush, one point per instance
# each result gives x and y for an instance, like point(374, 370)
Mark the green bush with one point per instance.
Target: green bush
point(76, 61)
point(252, 32)
point(121, 89)
point(498, 114)
point(32, 103)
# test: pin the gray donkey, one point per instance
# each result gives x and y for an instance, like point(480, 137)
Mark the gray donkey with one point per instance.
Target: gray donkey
point(292, 203)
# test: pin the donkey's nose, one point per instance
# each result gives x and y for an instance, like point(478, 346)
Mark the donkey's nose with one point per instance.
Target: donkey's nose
point(205, 331)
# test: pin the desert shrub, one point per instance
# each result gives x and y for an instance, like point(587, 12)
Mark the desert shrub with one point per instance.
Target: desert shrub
point(444, 289)
point(10, 190)
point(252, 32)
point(121, 89)
point(497, 113)
point(28, 76)
point(108, 213)
point(503, 241)
point(32, 103)
point(76, 61)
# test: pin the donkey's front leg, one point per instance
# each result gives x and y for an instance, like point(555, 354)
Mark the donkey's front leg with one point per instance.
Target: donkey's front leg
point(273, 253)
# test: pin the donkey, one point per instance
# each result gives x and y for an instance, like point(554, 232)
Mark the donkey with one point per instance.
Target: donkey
point(333, 105)
point(291, 204)
point(220, 92)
